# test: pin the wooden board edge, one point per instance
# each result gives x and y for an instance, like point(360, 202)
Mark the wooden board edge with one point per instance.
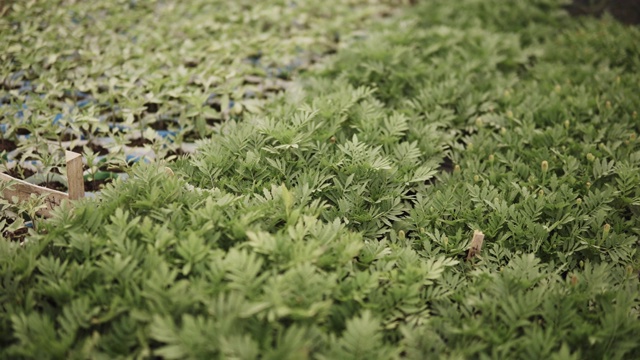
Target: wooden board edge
point(23, 190)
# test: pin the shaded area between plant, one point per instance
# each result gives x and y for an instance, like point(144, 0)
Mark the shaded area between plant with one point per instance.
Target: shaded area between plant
point(626, 11)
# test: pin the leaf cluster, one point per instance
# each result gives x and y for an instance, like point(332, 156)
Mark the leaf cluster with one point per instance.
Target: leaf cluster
point(129, 80)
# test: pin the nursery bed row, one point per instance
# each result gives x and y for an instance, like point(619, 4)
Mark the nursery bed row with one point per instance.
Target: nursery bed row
point(83, 70)
point(63, 79)
point(66, 86)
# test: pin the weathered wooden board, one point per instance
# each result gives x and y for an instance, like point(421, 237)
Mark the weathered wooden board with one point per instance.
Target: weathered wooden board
point(22, 190)
point(74, 175)
point(476, 244)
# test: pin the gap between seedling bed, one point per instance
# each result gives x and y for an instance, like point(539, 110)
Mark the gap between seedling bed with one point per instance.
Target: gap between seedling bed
point(21, 190)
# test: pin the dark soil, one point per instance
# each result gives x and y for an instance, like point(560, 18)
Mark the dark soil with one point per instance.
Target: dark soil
point(7, 145)
point(192, 136)
point(15, 172)
point(152, 108)
point(54, 185)
point(163, 125)
point(178, 152)
point(626, 11)
point(65, 137)
point(110, 167)
point(159, 125)
point(96, 185)
point(97, 149)
point(213, 121)
point(139, 142)
point(17, 235)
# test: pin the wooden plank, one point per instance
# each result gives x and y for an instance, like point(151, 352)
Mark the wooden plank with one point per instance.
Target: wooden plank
point(23, 190)
point(75, 180)
point(476, 244)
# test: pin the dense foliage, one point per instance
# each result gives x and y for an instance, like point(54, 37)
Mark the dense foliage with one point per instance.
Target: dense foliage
point(336, 225)
point(121, 81)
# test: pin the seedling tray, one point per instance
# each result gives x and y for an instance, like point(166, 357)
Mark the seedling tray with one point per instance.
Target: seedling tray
point(21, 190)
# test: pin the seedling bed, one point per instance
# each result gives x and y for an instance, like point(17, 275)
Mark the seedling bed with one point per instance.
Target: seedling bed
point(21, 191)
